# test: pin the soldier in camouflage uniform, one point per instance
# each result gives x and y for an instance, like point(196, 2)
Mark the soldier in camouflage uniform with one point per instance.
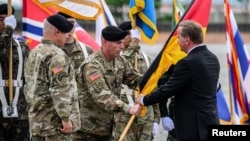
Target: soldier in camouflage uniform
point(77, 52)
point(50, 85)
point(102, 75)
point(143, 128)
point(12, 128)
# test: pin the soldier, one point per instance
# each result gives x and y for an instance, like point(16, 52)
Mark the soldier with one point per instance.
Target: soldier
point(50, 84)
point(14, 124)
point(77, 52)
point(102, 74)
point(143, 128)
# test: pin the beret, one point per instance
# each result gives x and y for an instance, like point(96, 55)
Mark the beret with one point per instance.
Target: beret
point(113, 33)
point(126, 25)
point(60, 23)
point(64, 15)
point(4, 9)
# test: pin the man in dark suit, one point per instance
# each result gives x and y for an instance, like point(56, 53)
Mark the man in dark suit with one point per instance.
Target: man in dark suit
point(193, 83)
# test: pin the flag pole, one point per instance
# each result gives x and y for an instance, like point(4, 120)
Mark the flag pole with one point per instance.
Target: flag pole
point(10, 109)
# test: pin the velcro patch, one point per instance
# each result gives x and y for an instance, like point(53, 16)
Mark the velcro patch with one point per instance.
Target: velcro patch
point(94, 76)
point(57, 69)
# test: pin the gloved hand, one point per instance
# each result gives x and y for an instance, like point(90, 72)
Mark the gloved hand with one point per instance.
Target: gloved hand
point(10, 21)
point(155, 128)
point(167, 123)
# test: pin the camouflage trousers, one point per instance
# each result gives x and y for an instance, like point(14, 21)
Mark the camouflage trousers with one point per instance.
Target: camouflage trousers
point(137, 132)
point(14, 130)
point(56, 137)
point(83, 136)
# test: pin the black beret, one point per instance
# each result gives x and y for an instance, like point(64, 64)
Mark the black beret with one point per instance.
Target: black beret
point(60, 23)
point(113, 33)
point(126, 25)
point(64, 15)
point(4, 9)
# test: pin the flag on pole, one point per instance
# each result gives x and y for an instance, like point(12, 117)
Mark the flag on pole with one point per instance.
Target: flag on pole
point(142, 15)
point(33, 25)
point(223, 110)
point(33, 21)
point(79, 9)
point(104, 19)
point(239, 71)
point(83, 36)
point(199, 11)
point(178, 11)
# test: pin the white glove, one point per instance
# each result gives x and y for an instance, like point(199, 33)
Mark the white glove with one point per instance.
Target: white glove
point(10, 21)
point(167, 123)
point(135, 33)
point(155, 128)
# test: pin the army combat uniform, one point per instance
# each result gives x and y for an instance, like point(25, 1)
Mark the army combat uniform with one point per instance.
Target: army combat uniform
point(13, 128)
point(49, 90)
point(141, 129)
point(77, 52)
point(101, 87)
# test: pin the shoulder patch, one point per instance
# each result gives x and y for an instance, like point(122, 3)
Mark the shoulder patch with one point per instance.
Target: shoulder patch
point(57, 69)
point(94, 76)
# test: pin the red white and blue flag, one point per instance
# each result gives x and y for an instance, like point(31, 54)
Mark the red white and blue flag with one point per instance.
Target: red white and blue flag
point(239, 71)
point(33, 25)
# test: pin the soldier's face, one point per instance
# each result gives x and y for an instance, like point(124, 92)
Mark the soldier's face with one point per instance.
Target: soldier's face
point(114, 48)
point(62, 38)
point(127, 40)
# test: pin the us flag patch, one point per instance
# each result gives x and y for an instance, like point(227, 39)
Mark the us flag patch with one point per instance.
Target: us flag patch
point(94, 76)
point(57, 69)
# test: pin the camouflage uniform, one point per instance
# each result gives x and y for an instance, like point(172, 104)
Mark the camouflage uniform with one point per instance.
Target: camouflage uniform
point(141, 129)
point(165, 109)
point(101, 86)
point(49, 90)
point(75, 53)
point(76, 57)
point(13, 128)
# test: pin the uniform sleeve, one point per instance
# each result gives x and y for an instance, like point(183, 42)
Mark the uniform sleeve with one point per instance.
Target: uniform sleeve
point(59, 71)
point(98, 89)
point(132, 76)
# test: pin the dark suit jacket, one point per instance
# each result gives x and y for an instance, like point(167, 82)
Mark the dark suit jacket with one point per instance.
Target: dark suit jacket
point(193, 83)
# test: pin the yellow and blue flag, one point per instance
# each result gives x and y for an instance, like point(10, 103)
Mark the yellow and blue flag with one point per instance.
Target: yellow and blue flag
point(142, 15)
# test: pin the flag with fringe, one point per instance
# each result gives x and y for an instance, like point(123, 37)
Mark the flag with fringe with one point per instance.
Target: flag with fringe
point(142, 15)
point(79, 9)
point(239, 71)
